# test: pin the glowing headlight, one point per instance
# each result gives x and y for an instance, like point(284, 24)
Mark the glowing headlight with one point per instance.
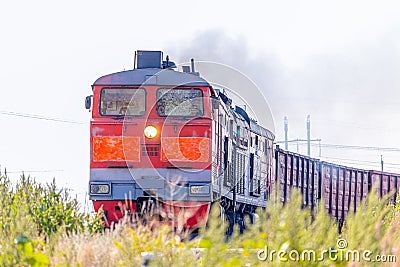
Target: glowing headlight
point(99, 188)
point(199, 190)
point(150, 131)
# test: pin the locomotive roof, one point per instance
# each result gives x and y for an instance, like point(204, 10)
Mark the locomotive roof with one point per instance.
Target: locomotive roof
point(244, 119)
point(242, 115)
point(151, 76)
point(258, 129)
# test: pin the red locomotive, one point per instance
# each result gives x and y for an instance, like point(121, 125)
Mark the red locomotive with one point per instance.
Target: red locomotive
point(161, 136)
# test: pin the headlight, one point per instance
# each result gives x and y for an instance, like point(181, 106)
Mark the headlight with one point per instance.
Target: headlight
point(197, 190)
point(150, 131)
point(99, 188)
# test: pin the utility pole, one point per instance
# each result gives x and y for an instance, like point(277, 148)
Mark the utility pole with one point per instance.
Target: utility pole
point(381, 163)
point(319, 147)
point(308, 136)
point(286, 133)
point(298, 141)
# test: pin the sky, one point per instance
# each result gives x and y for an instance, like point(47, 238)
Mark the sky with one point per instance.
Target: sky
point(337, 61)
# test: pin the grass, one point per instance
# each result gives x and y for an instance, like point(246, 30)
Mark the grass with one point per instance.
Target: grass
point(41, 226)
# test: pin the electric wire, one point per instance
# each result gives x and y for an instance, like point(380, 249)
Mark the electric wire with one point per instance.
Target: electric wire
point(360, 161)
point(370, 148)
point(354, 162)
point(342, 146)
point(38, 117)
point(34, 171)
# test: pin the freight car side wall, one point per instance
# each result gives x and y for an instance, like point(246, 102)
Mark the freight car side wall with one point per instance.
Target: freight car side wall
point(341, 188)
point(385, 183)
point(297, 171)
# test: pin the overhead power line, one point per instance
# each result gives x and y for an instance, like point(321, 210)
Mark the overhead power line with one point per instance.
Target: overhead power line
point(372, 148)
point(360, 161)
point(29, 172)
point(38, 117)
point(34, 171)
point(302, 142)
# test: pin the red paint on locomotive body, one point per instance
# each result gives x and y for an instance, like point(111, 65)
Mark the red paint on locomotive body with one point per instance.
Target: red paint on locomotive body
point(174, 213)
point(115, 210)
point(122, 141)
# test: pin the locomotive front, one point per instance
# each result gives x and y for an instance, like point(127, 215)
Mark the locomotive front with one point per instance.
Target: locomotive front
point(151, 143)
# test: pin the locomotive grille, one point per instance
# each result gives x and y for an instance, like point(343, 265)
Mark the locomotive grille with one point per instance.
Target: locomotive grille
point(151, 150)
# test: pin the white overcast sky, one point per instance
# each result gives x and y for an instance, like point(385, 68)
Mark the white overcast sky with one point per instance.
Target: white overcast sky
point(338, 61)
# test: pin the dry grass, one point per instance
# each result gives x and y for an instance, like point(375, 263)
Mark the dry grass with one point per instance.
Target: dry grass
point(24, 242)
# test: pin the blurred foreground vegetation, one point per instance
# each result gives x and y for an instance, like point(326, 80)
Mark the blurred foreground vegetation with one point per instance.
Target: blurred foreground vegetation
point(42, 226)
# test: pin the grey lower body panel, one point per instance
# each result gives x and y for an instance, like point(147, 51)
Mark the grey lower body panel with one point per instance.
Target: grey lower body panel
point(165, 184)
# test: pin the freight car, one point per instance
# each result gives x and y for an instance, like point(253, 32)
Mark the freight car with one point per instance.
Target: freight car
point(164, 142)
point(341, 188)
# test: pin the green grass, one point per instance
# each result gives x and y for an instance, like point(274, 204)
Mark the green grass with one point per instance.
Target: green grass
point(41, 226)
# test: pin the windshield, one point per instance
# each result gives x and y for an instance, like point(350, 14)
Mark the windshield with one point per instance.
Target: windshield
point(122, 101)
point(180, 102)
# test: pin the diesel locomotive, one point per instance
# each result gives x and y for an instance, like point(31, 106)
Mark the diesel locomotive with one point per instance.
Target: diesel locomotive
point(164, 139)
